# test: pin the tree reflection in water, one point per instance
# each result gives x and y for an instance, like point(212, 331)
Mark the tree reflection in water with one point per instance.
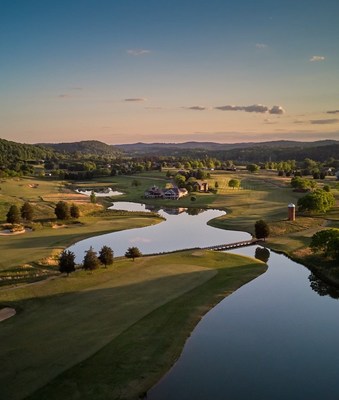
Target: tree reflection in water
point(262, 254)
point(323, 288)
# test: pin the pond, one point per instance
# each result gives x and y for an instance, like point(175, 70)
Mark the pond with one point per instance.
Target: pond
point(107, 192)
point(181, 230)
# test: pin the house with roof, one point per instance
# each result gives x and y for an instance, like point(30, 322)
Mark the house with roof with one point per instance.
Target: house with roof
point(153, 193)
point(174, 193)
point(200, 186)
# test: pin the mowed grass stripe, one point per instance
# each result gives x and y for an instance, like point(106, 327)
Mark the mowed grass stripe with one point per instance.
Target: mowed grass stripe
point(57, 331)
point(135, 360)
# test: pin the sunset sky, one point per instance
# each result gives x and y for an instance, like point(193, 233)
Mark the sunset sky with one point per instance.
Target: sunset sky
point(123, 71)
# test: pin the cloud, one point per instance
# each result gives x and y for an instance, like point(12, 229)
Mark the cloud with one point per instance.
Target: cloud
point(276, 110)
point(135, 99)
point(137, 52)
point(317, 58)
point(76, 88)
point(257, 108)
point(197, 108)
point(269, 122)
point(64, 96)
point(324, 121)
point(154, 108)
point(332, 112)
point(261, 46)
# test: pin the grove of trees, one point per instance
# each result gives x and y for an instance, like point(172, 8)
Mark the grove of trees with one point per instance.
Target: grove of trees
point(234, 183)
point(326, 242)
point(317, 201)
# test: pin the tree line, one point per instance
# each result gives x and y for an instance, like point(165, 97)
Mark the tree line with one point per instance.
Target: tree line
point(92, 260)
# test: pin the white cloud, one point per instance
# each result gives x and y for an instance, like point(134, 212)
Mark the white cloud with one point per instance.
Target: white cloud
point(256, 108)
point(135, 99)
point(137, 52)
point(317, 58)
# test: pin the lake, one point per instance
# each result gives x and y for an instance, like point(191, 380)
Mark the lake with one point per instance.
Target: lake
point(180, 231)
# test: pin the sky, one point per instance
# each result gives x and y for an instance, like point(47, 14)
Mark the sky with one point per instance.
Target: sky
point(125, 71)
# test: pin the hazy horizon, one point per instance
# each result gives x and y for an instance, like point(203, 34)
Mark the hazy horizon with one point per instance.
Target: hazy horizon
point(130, 71)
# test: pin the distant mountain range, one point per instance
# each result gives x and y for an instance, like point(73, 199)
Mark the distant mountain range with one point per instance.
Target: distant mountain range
point(154, 147)
point(239, 152)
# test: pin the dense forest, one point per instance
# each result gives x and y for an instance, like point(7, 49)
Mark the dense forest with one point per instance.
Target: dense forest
point(85, 147)
point(90, 159)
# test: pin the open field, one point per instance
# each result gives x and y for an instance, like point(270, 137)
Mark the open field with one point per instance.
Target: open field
point(33, 246)
point(111, 333)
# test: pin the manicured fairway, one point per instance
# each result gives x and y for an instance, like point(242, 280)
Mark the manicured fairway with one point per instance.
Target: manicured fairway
point(63, 324)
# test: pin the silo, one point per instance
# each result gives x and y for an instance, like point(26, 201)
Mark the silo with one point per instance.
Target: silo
point(291, 212)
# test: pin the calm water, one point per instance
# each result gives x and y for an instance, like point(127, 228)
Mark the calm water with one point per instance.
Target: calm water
point(105, 193)
point(179, 231)
point(274, 338)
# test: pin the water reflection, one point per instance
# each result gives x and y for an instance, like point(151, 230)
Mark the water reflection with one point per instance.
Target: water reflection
point(181, 230)
point(322, 288)
point(262, 254)
point(263, 342)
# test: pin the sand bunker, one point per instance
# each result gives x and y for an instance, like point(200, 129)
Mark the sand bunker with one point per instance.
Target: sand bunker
point(6, 313)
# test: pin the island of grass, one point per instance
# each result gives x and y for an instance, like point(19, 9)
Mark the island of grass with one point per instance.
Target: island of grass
point(114, 332)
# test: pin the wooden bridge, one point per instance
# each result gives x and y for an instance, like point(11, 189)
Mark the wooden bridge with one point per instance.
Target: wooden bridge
point(230, 246)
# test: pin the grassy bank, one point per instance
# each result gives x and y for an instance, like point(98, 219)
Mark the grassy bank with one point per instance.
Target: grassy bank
point(113, 333)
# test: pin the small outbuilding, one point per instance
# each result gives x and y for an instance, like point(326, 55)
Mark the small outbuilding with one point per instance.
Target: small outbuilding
point(291, 212)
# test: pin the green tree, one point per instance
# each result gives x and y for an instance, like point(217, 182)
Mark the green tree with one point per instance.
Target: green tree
point(234, 183)
point(93, 197)
point(106, 255)
point(13, 215)
point(133, 252)
point(322, 241)
point(317, 201)
point(62, 210)
point(91, 261)
point(252, 168)
point(27, 211)
point(74, 211)
point(262, 230)
point(180, 180)
point(67, 262)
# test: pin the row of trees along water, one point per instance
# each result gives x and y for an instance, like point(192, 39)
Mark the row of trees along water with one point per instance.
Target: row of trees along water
point(92, 260)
